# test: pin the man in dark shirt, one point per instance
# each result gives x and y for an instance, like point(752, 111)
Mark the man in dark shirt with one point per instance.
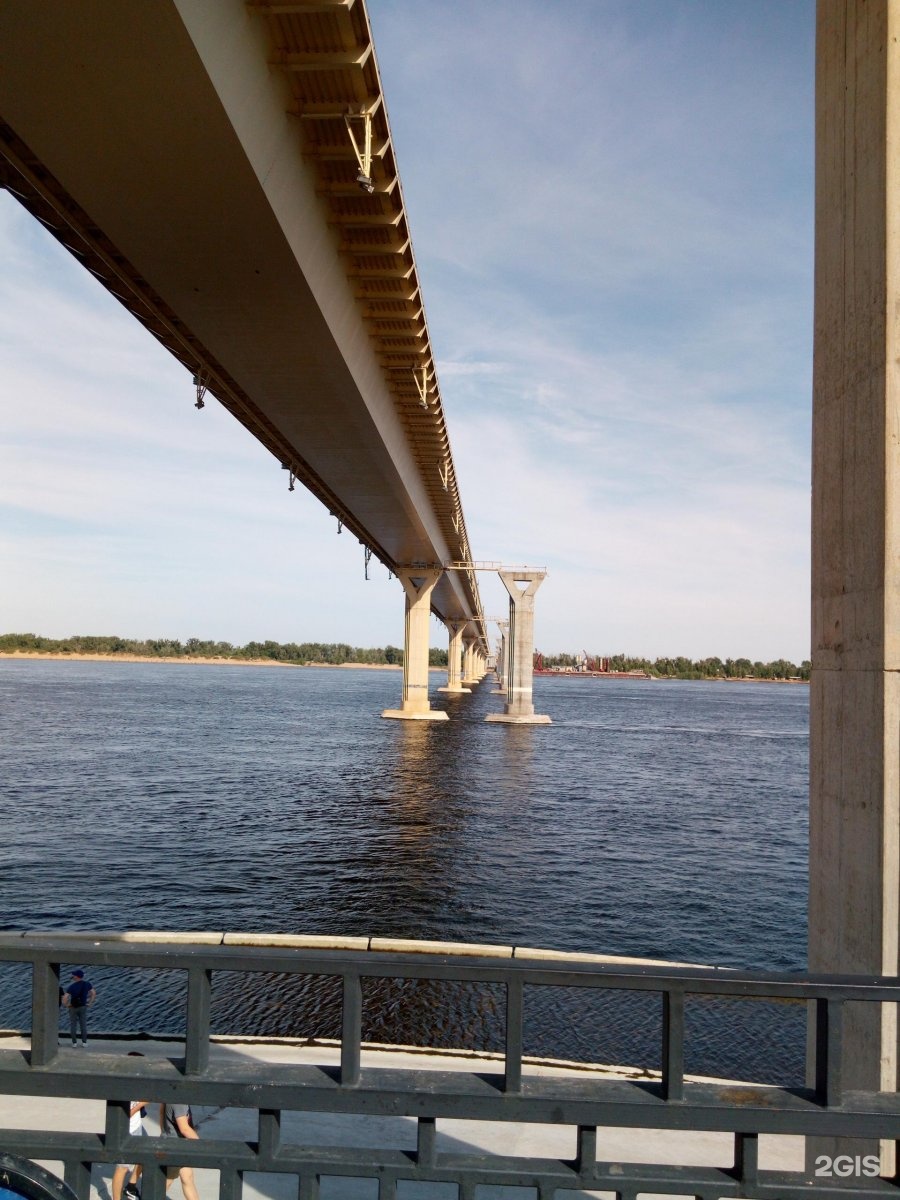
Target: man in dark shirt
point(177, 1120)
point(76, 998)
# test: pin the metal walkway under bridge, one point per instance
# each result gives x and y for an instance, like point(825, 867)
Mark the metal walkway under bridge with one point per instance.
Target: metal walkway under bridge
point(226, 171)
point(281, 1101)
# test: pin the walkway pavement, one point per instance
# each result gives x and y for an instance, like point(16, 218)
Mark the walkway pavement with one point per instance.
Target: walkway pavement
point(550, 1141)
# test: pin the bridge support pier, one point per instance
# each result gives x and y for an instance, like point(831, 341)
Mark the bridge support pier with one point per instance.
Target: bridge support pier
point(519, 708)
point(470, 675)
point(854, 885)
point(455, 657)
point(500, 668)
point(418, 584)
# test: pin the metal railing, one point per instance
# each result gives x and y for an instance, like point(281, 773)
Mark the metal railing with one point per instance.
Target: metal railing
point(426, 1094)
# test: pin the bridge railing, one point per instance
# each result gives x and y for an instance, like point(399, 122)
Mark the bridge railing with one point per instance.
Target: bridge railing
point(586, 1101)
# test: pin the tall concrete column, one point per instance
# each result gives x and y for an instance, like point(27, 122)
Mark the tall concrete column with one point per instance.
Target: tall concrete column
point(469, 675)
point(501, 689)
point(418, 584)
point(454, 657)
point(855, 693)
point(519, 708)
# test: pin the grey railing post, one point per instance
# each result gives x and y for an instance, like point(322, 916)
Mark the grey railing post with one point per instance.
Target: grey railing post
point(351, 1033)
point(515, 1014)
point(829, 1052)
point(78, 1176)
point(44, 1013)
point(426, 1142)
point(673, 1045)
point(116, 1128)
point(309, 1188)
point(268, 1133)
point(586, 1155)
point(231, 1184)
point(196, 1045)
point(746, 1159)
point(153, 1181)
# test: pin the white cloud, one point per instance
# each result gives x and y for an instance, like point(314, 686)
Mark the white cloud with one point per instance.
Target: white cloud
point(612, 221)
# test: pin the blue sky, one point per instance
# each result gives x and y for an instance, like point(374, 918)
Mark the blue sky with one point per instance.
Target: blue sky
point(611, 208)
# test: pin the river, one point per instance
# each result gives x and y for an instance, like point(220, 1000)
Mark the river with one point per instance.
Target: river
point(656, 818)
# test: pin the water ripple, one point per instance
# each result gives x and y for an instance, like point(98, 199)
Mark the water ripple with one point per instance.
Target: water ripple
point(662, 820)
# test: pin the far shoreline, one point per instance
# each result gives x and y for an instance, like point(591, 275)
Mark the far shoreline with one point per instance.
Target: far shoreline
point(200, 661)
point(194, 660)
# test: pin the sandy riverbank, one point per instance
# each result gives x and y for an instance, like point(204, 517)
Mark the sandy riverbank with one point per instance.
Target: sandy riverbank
point(192, 660)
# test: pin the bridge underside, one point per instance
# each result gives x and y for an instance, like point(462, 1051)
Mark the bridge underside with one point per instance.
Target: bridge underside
point(165, 150)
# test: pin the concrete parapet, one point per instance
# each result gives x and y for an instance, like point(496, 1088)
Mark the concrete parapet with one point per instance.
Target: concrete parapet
point(138, 935)
point(411, 946)
point(317, 941)
point(613, 959)
point(300, 941)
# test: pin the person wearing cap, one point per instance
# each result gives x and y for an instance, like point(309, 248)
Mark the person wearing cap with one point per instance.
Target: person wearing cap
point(78, 995)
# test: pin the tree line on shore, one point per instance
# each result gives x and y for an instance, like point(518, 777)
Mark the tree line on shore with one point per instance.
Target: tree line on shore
point(686, 668)
point(336, 653)
point(297, 654)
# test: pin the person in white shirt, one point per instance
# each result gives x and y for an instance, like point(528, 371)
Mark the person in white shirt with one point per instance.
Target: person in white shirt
point(135, 1129)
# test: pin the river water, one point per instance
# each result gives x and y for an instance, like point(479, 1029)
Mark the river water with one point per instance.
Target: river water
point(665, 819)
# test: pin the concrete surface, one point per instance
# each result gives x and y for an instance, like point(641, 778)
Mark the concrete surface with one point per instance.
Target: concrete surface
point(502, 1138)
point(854, 884)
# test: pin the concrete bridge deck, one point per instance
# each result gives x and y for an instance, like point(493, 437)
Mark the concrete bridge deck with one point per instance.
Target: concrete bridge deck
point(227, 171)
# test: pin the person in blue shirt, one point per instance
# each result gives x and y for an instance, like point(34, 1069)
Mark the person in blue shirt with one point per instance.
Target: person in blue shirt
point(77, 997)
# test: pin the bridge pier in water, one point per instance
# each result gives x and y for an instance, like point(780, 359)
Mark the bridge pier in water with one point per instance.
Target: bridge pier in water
point(519, 707)
point(500, 667)
point(418, 584)
point(470, 674)
point(456, 629)
point(855, 680)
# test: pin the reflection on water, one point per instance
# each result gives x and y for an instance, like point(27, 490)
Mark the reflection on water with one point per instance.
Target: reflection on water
point(666, 820)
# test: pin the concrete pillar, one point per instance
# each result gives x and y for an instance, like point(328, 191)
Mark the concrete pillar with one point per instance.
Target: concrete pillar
point(855, 693)
point(418, 584)
point(519, 708)
point(469, 676)
point(454, 657)
point(500, 689)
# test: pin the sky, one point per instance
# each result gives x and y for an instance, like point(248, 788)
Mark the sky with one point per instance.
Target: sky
point(611, 207)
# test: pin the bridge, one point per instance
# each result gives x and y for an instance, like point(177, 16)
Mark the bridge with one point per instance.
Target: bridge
point(227, 172)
